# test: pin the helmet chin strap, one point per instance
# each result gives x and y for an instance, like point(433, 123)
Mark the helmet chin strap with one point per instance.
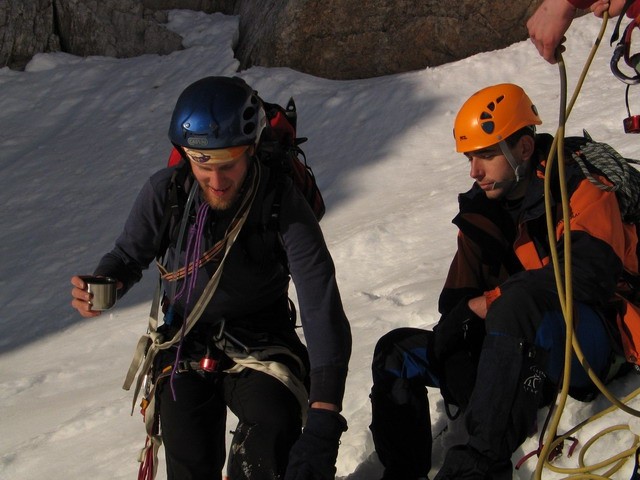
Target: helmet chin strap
point(519, 169)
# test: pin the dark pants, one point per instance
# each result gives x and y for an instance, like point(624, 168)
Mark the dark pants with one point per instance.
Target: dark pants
point(523, 346)
point(193, 425)
point(400, 422)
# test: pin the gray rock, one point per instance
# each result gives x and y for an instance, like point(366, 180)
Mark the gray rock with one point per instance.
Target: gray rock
point(115, 28)
point(340, 39)
point(346, 39)
point(26, 28)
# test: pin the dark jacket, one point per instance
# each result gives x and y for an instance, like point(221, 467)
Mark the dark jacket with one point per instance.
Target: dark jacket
point(255, 280)
point(499, 247)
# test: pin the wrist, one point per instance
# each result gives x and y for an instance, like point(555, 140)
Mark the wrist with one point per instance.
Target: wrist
point(325, 423)
point(325, 406)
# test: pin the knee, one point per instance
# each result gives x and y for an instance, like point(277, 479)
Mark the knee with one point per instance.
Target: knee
point(401, 353)
point(386, 352)
point(386, 344)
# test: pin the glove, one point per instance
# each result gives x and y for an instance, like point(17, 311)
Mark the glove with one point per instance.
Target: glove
point(313, 456)
point(457, 342)
point(460, 329)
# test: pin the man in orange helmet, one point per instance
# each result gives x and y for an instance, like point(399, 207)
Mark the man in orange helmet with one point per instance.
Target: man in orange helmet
point(497, 351)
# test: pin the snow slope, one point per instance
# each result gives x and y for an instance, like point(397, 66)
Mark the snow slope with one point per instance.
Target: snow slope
point(79, 136)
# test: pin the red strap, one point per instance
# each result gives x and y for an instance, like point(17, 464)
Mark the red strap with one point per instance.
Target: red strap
point(145, 472)
point(553, 454)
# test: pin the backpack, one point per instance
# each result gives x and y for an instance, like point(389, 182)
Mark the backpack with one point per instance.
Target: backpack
point(601, 159)
point(280, 151)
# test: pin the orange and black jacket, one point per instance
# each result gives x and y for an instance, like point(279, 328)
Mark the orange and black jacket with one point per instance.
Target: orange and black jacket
point(499, 247)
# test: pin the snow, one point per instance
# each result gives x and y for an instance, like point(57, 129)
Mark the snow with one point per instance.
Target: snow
point(79, 136)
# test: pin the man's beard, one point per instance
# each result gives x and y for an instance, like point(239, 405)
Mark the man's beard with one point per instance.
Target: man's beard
point(222, 203)
point(231, 195)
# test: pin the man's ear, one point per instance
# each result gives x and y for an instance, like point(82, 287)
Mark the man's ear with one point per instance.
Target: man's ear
point(527, 146)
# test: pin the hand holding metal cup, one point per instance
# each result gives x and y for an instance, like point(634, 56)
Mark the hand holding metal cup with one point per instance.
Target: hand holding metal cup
point(103, 291)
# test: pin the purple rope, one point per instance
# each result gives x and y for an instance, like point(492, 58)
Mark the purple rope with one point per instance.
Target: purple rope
point(192, 256)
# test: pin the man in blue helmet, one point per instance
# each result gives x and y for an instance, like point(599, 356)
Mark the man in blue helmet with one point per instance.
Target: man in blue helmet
point(227, 272)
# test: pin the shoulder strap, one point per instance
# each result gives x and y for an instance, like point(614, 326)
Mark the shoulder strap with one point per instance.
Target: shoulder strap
point(173, 208)
point(152, 342)
point(271, 214)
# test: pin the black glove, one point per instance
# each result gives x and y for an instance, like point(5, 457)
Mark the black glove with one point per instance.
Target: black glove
point(313, 456)
point(457, 342)
point(460, 329)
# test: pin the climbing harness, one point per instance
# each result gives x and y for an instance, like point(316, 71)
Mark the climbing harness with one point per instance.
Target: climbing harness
point(224, 352)
point(153, 341)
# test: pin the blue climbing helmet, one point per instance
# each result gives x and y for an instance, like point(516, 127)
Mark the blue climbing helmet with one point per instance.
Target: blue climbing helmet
point(215, 113)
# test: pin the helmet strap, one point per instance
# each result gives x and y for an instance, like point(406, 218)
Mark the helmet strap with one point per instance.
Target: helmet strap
point(518, 168)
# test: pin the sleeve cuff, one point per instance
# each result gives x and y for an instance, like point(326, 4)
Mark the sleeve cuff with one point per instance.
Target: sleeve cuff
point(581, 4)
point(327, 385)
point(491, 295)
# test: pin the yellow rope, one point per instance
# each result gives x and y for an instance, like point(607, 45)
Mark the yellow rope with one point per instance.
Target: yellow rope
point(565, 292)
point(565, 296)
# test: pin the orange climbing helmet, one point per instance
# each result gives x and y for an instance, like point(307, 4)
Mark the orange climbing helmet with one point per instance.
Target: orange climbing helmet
point(491, 115)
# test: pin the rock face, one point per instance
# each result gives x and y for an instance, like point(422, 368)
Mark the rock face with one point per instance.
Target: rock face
point(26, 27)
point(117, 28)
point(341, 39)
point(355, 39)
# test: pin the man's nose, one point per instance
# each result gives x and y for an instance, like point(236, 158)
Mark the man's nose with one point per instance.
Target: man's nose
point(216, 179)
point(475, 169)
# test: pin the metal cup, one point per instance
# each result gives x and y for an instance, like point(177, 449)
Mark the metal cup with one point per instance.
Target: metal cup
point(102, 290)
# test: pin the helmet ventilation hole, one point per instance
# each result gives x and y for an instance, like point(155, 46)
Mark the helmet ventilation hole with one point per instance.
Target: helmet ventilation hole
point(488, 127)
point(248, 113)
point(249, 128)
